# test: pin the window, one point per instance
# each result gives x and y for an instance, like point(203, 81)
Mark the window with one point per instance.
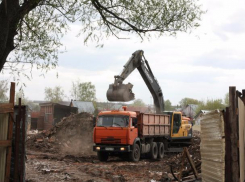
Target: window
point(113, 121)
point(135, 120)
point(177, 123)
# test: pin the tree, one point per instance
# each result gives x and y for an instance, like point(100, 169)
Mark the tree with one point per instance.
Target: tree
point(138, 103)
point(55, 94)
point(3, 90)
point(33, 28)
point(210, 104)
point(83, 91)
point(226, 99)
point(186, 101)
point(20, 94)
point(168, 105)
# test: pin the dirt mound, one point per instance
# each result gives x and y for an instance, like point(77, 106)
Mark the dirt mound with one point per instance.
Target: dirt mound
point(72, 135)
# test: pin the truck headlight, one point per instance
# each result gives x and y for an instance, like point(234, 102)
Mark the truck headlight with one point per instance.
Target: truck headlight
point(97, 148)
point(122, 148)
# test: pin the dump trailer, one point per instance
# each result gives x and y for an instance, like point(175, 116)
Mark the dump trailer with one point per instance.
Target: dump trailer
point(130, 134)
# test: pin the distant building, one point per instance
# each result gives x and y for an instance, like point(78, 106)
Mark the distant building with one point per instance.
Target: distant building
point(189, 110)
point(52, 113)
point(83, 106)
point(34, 119)
point(198, 117)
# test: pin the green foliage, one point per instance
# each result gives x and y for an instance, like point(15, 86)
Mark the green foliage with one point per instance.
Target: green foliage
point(3, 90)
point(20, 94)
point(226, 99)
point(185, 101)
point(41, 24)
point(55, 94)
point(210, 104)
point(168, 105)
point(83, 91)
point(25, 101)
point(138, 103)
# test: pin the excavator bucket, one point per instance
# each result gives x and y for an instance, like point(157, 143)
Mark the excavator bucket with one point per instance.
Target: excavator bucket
point(121, 92)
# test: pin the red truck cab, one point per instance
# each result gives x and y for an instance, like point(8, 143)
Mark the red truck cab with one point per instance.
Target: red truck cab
point(115, 132)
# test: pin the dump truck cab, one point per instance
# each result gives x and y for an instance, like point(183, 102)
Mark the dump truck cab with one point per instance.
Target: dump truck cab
point(115, 133)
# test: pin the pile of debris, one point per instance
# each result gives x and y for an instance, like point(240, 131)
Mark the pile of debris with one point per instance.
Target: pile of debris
point(72, 135)
point(175, 162)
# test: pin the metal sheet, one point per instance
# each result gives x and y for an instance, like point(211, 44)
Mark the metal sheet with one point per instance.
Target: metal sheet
point(241, 117)
point(154, 124)
point(213, 147)
point(3, 136)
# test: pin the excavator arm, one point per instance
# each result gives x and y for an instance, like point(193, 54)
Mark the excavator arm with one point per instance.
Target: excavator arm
point(123, 92)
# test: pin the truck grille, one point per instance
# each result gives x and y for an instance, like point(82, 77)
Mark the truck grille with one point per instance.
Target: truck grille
point(110, 140)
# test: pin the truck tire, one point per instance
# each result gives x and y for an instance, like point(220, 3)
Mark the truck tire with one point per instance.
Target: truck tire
point(160, 150)
point(135, 154)
point(102, 156)
point(154, 151)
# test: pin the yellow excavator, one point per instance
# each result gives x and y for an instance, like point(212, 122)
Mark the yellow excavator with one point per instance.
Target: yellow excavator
point(180, 126)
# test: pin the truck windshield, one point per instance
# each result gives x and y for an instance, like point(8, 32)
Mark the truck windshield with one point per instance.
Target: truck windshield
point(113, 121)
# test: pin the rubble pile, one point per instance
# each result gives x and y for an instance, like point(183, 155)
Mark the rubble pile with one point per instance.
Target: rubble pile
point(194, 151)
point(73, 135)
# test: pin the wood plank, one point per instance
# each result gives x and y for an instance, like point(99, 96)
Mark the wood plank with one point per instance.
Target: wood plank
point(10, 133)
point(233, 119)
point(227, 146)
point(5, 143)
point(191, 163)
point(6, 108)
point(241, 112)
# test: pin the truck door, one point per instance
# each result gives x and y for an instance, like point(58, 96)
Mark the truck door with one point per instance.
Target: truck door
point(133, 130)
point(176, 124)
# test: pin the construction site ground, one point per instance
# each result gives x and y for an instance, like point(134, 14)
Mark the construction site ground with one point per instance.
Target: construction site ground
point(51, 156)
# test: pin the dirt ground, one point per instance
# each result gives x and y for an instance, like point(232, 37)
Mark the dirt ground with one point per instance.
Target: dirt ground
point(64, 153)
point(51, 167)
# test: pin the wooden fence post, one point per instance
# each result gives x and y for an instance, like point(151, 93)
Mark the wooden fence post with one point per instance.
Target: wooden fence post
point(233, 120)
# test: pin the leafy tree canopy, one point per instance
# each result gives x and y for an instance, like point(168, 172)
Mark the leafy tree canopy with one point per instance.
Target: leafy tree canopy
point(185, 101)
point(226, 100)
point(55, 94)
point(210, 104)
point(3, 91)
point(83, 91)
point(138, 103)
point(168, 105)
point(33, 28)
point(20, 94)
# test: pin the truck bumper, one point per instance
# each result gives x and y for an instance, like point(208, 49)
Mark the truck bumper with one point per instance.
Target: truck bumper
point(112, 148)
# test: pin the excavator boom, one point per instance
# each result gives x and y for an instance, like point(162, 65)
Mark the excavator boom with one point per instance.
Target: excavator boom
point(123, 92)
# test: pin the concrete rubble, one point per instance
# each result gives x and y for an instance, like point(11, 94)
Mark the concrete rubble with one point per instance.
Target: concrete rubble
point(64, 153)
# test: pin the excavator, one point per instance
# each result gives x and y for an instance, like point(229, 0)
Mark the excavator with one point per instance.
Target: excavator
point(133, 133)
point(180, 125)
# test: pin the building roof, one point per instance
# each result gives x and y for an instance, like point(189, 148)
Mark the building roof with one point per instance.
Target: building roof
point(201, 112)
point(83, 106)
point(116, 107)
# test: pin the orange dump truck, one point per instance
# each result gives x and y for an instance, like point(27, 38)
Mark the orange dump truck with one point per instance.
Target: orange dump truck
point(131, 134)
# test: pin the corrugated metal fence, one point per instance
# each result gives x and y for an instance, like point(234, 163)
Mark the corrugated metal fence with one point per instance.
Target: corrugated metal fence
point(213, 147)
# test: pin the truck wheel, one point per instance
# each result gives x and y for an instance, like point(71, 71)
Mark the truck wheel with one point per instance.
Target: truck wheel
point(153, 151)
point(102, 156)
point(135, 154)
point(160, 150)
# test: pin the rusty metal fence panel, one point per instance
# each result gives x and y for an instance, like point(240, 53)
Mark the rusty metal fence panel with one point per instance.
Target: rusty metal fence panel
point(213, 147)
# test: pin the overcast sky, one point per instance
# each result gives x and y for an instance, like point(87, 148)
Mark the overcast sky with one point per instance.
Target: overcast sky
point(199, 65)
